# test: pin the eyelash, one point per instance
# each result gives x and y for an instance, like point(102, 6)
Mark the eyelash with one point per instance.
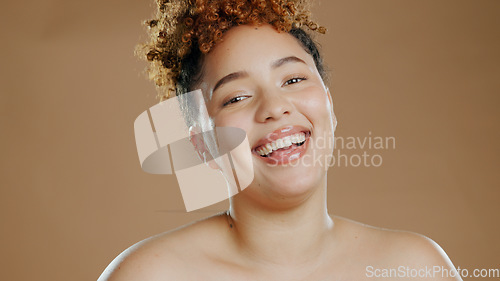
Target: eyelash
point(288, 82)
point(294, 78)
point(233, 100)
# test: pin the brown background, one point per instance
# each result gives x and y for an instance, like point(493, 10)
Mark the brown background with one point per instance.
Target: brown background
point(72, 193)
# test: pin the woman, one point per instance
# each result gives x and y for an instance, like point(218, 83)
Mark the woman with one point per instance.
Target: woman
point(261, 72)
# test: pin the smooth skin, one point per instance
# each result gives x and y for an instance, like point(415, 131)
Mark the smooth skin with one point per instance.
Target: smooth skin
point(281, 229)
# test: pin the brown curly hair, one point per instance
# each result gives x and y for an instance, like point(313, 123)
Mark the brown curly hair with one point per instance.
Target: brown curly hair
point(181, 27)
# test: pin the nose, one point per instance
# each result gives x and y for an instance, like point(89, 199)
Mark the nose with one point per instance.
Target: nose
point(273, 106)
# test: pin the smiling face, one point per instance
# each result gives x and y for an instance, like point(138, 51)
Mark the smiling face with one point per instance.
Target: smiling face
point(267, 84)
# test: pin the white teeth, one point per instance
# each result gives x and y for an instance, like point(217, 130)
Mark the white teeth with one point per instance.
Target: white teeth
point(281, 143)
point(301, 138)
point(274, 146)
point(269, 147)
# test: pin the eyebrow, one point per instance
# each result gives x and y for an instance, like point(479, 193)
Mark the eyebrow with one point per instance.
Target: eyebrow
point(243, 74)
point(230, 77)
point(283, 61)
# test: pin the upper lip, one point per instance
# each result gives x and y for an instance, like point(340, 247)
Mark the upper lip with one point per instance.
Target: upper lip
point(280, 133)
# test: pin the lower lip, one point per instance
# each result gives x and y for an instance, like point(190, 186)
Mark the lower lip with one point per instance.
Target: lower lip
point(286, 156)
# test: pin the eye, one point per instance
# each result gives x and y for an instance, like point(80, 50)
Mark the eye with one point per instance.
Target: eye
point(294, 80)
point(234, 100)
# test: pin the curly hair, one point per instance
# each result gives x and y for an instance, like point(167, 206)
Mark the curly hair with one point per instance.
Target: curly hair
point(182, 31)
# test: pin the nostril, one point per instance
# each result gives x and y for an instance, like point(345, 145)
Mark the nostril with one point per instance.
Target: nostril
point(271, 117)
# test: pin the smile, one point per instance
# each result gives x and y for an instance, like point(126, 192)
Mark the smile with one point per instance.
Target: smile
point(283, 145)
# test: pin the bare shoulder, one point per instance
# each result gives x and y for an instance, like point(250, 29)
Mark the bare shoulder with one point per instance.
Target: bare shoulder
point(386, 248)
point(167, 256)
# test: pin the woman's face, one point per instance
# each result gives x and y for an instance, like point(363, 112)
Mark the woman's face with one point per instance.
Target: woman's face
point(266, 83)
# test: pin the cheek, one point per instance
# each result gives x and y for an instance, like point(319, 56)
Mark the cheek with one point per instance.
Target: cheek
point(315, 106)
point(238, 119)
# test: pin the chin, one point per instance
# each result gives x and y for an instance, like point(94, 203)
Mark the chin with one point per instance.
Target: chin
point(290, 185)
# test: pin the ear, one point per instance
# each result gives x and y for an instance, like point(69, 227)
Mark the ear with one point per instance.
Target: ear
point(196, 138)
point(331, 107)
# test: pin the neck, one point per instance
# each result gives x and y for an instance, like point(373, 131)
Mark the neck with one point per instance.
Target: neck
point(292, 236)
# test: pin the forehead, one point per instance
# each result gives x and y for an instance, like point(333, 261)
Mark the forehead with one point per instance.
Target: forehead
point(252, 49)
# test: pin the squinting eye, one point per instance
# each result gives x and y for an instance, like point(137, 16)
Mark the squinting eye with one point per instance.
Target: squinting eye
point(294, 80)
point(234, 100)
